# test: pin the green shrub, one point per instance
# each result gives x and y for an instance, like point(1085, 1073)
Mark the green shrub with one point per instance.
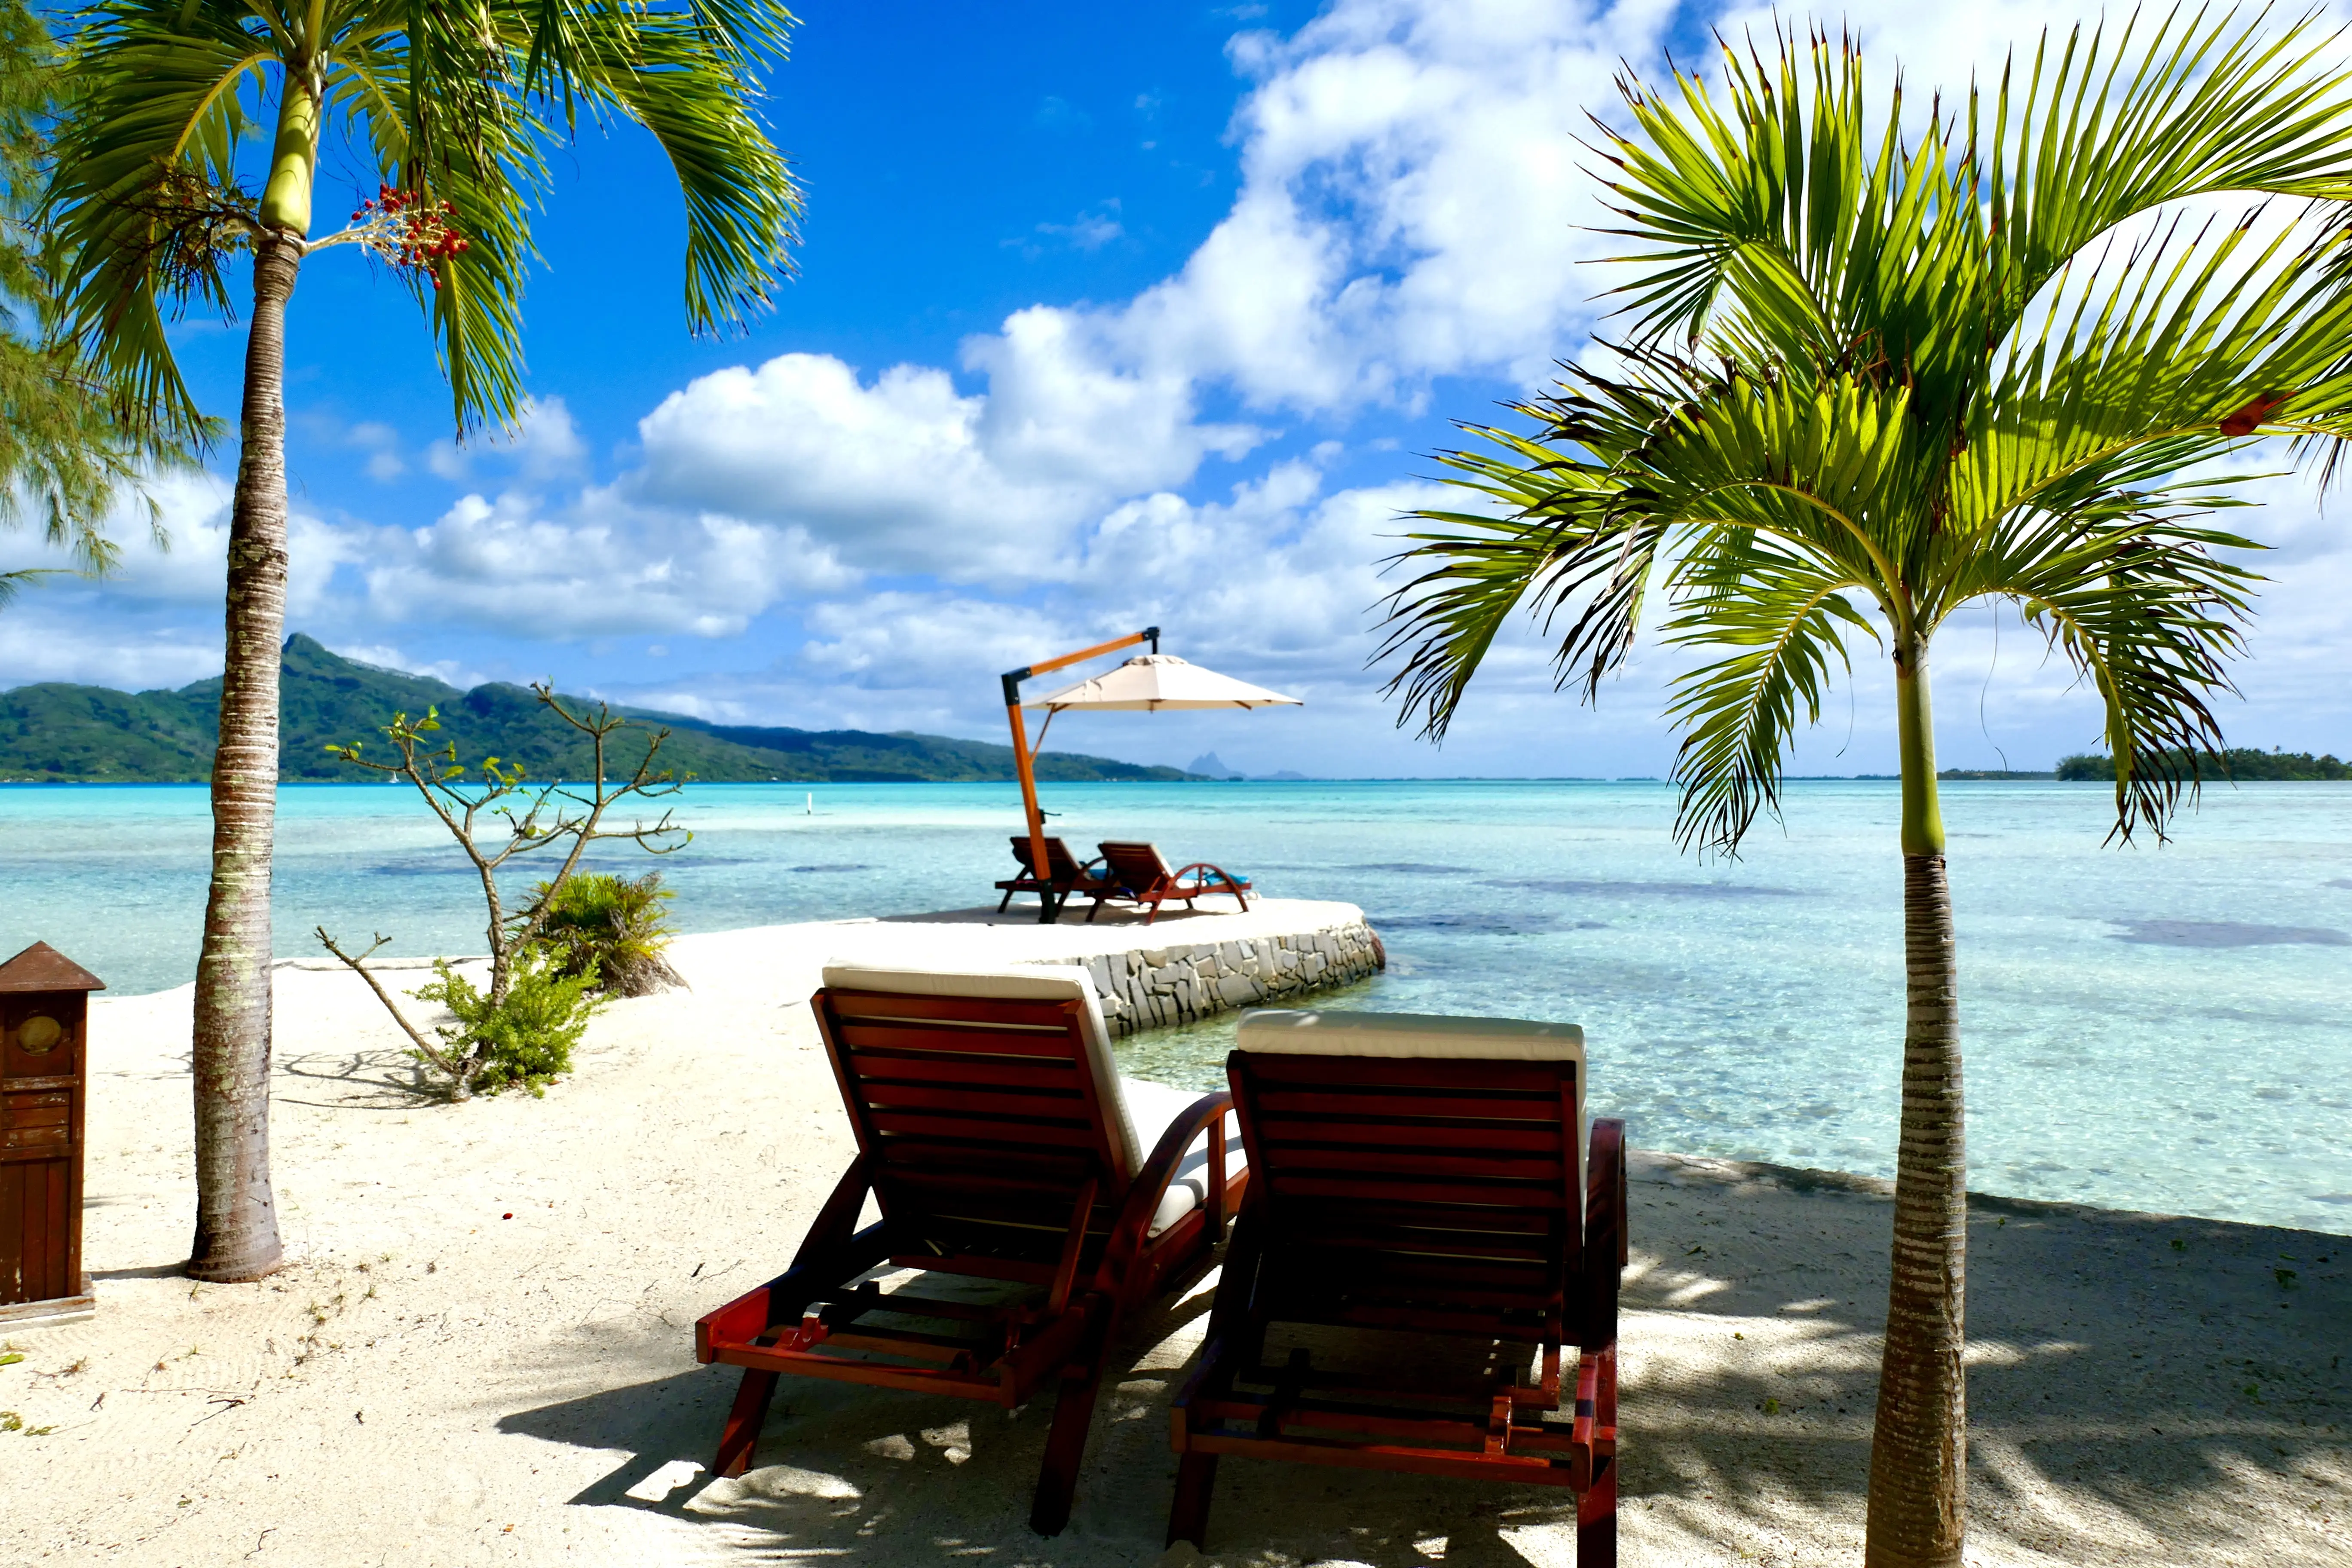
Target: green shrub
point(615, 927)
point(526, 1039)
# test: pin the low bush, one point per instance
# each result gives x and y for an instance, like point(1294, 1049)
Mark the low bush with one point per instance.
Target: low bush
point(613, 927)
point(523, 1040)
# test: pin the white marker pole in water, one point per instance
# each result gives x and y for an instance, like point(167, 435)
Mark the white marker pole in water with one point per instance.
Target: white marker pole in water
point(812, 803)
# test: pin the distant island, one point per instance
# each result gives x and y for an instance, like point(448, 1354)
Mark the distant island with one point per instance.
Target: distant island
point(56, 732)
point(2241, 763)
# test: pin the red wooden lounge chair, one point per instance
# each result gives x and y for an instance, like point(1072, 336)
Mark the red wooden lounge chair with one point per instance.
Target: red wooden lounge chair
point(993, 1132)
point(1421, 1183)
point(1142, 877)
point(1068, 877)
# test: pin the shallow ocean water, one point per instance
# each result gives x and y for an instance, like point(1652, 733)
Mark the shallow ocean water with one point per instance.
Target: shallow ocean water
point(2147, 1027)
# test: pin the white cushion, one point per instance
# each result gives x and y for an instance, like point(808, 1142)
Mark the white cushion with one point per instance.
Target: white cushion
point(1425, 1035)
point(1156, 1106)
point(1022, 982)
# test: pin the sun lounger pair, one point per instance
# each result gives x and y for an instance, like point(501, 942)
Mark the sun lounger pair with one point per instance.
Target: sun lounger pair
point(1415, 1196)
point(1125, 873)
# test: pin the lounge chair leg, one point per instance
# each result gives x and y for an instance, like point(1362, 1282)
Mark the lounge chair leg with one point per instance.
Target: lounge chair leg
point(1188, 1516)
point(1596, 1519)
point(742, 1434)
point(1065, 1442)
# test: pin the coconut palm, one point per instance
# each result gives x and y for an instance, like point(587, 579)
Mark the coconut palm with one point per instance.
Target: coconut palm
point(70, 442)
point(1880, 366)
point(455, 106)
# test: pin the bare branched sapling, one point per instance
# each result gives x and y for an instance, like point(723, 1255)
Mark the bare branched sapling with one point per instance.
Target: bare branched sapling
point(498, 801)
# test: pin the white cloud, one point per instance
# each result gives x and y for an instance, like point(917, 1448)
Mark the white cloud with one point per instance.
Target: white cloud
point(502, 563)
point(1411, 223)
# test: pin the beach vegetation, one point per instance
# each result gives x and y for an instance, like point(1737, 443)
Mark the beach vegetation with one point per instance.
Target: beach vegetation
point(522, 1039)
point(1878, 360)
point(186, 151)
point(611, 929)
point(2237, 764)
point(74, 437)
point(542, 986)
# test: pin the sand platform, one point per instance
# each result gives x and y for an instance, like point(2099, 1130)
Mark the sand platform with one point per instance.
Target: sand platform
point(1187, 964)
point(480, 1349)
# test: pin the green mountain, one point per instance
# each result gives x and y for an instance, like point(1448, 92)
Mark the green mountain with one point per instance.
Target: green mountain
point(57, 732)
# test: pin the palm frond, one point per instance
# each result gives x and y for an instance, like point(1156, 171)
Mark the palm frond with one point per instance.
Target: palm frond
point(1784, 616)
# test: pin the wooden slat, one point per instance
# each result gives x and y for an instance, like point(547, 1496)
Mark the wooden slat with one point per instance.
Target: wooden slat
point(1271, 1067)
point(12, 1232)
point(1310, 1218)
point(1064, 1167)
point(1274, 1105)
point(33, 1204)
point(1397, 1196)
point(859, 1005)
point(942, 1040)
point(1371, 1134)
point(981, 1129)
point(908, 1067)
point(1431, 1244)
point(1534, 1165)
point(979, 1099)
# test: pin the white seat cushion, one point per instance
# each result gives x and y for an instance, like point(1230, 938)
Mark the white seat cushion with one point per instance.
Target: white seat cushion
point(1430, 1037)
point(1156, 1105)
point(1021, 982)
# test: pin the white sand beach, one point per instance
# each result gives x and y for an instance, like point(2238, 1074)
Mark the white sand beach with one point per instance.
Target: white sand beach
point(432, 1381)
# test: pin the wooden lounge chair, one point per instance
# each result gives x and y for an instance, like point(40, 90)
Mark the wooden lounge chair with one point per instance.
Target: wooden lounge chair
point(994, 1135)
point(1140, 877)
point(1067, 876)
point(1422, 1184)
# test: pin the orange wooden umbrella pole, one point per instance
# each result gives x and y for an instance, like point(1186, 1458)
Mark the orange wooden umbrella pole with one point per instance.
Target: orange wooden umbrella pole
point(1025, 764)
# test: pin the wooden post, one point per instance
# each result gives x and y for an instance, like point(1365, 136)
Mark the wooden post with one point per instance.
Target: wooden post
point(1025, 765)
point(1026, 768)
point(44, 1080)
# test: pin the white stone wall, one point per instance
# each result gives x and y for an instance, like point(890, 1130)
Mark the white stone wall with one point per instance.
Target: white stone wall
point(1149, 987)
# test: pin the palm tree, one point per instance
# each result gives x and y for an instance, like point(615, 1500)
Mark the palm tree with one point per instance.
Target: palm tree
point(456, 105)
point(71, 443)
point(1879, 368)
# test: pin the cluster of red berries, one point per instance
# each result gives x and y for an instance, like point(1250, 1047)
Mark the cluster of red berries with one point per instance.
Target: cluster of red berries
point(409, 231)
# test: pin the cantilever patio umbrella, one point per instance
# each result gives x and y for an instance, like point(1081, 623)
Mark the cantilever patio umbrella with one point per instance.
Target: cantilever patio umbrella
point(1147, 683)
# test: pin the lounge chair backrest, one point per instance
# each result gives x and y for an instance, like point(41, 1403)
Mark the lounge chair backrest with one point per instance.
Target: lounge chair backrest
point(1416, 1168)
point(1136, 866)
point(1063, 864)
point(990, 1094)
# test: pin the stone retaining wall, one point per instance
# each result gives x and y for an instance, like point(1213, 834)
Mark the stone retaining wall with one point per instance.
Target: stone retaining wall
point(1149, 987)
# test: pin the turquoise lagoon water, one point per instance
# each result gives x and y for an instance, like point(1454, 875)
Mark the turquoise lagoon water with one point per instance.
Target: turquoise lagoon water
point(2163, 1028)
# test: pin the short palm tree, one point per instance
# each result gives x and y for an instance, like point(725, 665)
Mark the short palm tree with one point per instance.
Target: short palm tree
point(1879, 368)
point(456, 105)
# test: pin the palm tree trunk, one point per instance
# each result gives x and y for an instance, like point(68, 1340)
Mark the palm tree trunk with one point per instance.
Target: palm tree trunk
point(236, 1214)
point(1919, 1454)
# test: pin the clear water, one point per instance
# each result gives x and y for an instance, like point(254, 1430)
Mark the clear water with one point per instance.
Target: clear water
point(2147, 1027)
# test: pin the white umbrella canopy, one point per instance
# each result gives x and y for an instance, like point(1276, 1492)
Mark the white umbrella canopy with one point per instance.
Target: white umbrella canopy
point(1154, 681)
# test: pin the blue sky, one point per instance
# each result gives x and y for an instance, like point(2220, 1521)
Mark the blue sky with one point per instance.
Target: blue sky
point(1104, 316)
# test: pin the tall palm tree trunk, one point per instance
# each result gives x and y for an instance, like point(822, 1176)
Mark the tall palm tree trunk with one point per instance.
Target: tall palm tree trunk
point(236, 1213)
point(1919, 1454)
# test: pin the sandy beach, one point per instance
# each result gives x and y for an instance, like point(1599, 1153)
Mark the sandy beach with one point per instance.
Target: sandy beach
point(432, 1381)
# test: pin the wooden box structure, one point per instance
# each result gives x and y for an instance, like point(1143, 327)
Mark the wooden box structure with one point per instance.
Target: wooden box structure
point(43, 1083)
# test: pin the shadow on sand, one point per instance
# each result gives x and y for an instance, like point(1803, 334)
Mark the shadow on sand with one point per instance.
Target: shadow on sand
point(2142, 1389)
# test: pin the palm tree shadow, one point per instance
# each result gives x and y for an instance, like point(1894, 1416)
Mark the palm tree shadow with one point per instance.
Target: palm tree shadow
point(2109, 1418)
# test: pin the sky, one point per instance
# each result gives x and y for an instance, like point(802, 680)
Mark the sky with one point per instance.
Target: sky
point(1105, 317)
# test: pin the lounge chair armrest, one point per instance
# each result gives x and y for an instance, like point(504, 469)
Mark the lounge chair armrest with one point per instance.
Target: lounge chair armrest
point(753, 1313)
point(1227, 878)
point(1604, 1234)
point(1206, 1114)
